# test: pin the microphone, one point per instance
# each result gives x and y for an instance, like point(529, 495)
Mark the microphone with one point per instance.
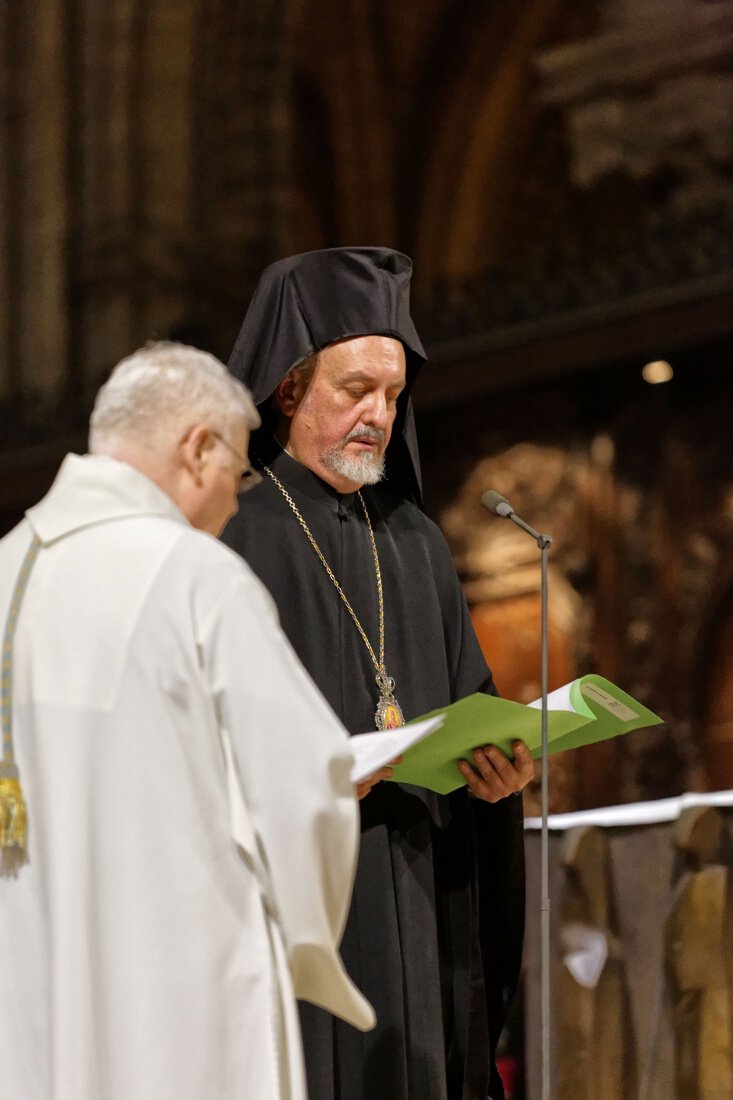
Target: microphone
point(500, 506)
point(497, 504)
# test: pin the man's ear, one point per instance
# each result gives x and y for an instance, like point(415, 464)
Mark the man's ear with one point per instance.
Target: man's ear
point(289, 393)
point(194, 448)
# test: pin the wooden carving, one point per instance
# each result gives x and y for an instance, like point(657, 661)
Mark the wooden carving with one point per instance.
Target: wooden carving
point(699, 956)
point(594, 1041)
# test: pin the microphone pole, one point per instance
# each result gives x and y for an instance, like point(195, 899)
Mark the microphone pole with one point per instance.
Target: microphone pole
point(500, 506)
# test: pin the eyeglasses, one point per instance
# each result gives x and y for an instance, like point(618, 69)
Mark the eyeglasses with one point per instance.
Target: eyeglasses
point(249, 477)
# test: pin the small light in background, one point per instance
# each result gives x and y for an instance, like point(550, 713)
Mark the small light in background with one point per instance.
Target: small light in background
point(656, 372)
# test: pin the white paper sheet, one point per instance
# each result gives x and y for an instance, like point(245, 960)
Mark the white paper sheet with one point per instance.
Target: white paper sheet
point(373, 750)
point(559, 699)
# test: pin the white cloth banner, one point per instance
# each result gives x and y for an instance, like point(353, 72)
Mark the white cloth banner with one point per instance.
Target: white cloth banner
point(634, 813)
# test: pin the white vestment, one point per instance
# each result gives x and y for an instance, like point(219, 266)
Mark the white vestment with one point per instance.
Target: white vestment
point(192, 827)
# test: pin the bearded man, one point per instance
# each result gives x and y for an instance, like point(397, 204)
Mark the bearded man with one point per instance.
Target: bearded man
point(370, 600)
point(162, 915)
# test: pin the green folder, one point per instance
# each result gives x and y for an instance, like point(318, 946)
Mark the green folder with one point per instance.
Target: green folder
point(585, 711)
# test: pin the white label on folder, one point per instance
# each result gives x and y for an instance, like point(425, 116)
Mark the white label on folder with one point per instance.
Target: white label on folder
point(615, 706)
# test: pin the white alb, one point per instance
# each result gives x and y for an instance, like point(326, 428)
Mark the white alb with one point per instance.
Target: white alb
point(192, 826)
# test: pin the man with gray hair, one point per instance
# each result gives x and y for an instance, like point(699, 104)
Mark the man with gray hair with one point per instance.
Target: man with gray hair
point(159, 912)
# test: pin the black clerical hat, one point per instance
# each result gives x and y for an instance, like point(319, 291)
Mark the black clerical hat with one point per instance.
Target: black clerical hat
point(306, 302)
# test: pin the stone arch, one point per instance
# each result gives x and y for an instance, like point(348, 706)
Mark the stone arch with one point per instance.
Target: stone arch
point(417, 110)
point(349, 103)
point(478, 143)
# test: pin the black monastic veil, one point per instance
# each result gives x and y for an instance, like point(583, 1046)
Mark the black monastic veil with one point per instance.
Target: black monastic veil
point(435, 929)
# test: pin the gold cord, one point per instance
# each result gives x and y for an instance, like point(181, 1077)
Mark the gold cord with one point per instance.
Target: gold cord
point(378, 664)
point(13, 815)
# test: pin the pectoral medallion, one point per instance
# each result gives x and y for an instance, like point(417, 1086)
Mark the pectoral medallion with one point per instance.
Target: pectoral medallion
point(388, 715)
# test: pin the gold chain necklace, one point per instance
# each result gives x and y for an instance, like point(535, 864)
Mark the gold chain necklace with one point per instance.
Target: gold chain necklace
point(388, 714)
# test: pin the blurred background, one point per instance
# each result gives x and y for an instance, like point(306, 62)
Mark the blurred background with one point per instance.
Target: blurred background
point(561, 174)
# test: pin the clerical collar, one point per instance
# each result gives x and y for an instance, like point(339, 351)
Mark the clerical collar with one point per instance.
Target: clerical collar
point(297, 476)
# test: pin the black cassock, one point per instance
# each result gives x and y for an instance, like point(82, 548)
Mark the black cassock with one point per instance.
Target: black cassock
point(435, 929)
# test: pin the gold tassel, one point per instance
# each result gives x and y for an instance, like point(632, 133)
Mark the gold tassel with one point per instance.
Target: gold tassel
point(13, 821)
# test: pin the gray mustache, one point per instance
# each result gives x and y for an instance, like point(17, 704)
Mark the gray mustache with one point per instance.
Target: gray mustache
point(366, 433)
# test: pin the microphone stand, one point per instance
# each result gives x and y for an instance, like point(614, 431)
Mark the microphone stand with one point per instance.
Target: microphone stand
point(544, 542)
point(501, 507)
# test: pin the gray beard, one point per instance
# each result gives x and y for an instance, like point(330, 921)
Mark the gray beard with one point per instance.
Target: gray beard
point(363, 470)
